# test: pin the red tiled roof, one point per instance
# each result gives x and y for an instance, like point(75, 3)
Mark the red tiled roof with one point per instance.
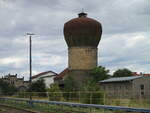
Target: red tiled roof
point(43, 73)
point(136, 74)
point(146, 74)
point(62, 74)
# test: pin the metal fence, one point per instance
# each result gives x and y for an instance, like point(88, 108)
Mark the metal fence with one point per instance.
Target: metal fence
point(68, 107)
point(86, 97)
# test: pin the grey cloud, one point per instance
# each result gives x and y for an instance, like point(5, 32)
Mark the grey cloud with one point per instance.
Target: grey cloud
point(46, 18)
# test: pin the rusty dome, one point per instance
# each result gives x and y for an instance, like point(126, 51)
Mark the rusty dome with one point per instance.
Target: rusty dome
point(82, 31)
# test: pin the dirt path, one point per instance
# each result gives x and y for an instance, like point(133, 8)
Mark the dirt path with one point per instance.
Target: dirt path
point(7, 109)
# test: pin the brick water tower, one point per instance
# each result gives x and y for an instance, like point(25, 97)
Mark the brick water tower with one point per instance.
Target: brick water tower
point(82, 36)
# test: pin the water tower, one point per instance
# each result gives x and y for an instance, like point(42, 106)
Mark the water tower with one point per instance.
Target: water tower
point(82, 36)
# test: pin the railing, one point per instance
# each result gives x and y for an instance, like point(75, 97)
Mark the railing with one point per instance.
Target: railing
point(69, 107)
point(88, 97)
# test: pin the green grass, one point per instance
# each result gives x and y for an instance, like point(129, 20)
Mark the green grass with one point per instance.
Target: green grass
point(44, 108)
point(128, 103)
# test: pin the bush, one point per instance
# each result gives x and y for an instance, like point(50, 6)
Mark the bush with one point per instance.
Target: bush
point(122, 73)
point(99, 73)
point(95, 97)
point(6, 88)
point(38, 88)
point(92, 93)
point(54, 93)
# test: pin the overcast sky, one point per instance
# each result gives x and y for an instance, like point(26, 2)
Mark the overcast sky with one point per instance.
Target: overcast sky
point(125, 41)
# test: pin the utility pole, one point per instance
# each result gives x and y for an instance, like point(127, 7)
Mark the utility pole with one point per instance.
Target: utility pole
point(30, 60)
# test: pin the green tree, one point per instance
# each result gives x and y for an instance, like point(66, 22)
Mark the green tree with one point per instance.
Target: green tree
point(70, 84)
point(54, 92)
point(90, 89)
point(7, 88)
point(99, 73)
point(122, 73)
point(91, 93)
point(39, 87)
point(70, 88)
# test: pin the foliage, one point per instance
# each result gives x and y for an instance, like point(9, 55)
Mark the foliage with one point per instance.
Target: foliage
point(54, 92)
point(70, 84)
point(7, 88)
point(122, 73)
point(99, 73)
point(22, 94)
point(38, 86)
point(91, 93)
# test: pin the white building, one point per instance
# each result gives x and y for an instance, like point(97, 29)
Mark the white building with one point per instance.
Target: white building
point(47, 76)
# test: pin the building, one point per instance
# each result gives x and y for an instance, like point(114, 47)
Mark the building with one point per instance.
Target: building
point(17, 82)
point(140, 74)
point(47, 76)
point(82, 36)
point(61, 76)
point(127, 87)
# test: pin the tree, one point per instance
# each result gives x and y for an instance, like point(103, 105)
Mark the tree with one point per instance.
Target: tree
point(91, 93)
point(38, 86)
point(54, 92)
point(122, 73)
point(99, 73)
point(7, 88)
point(70, 88)
point(70, 84)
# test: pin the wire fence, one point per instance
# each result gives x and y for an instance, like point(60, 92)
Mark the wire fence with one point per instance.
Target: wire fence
point(67, 107)
point(85, 98)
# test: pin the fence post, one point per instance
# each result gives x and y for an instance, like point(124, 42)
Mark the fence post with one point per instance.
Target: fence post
point(90, 97)
point(47, 93)
point(30, 103)
point(79, 96)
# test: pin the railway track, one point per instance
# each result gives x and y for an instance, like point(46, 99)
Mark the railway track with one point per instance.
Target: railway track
point(10, 109)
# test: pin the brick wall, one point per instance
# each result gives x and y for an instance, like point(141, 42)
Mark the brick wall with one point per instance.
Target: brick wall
point(82, 58)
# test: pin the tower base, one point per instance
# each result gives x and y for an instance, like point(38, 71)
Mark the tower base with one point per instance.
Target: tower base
point(79, 76)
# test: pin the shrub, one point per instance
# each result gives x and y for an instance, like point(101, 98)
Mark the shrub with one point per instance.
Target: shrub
point(54, 93)
point(38, 88)
point(6, 88)
point(92, 93)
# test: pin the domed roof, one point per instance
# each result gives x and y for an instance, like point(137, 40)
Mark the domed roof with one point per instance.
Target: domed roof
point(82, 31)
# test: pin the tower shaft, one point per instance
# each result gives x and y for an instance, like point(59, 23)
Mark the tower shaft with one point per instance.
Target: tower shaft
point(82, 58)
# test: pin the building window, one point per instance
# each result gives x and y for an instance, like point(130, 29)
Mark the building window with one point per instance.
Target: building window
point(127, 93)
point(142, 93)
point(110, 87)
point(142, 86)
point(120, 87)
point(103, 87)
point(126, 87)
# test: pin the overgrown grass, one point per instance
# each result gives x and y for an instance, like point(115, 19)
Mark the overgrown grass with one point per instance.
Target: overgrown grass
point(45, 108)
point(85, 97)
point(143, 103)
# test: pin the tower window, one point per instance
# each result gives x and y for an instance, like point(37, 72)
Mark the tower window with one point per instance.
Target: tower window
point(142, 86)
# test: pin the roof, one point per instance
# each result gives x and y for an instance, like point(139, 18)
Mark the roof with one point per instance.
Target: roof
point(62, 74)
point(43, 73)
point(135, 74)
point(146, 74)
point(82, 31)
point(120, 79)
point(140, 74)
